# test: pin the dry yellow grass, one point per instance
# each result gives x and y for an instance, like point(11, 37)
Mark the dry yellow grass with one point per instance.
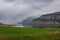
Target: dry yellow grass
point(2, 25)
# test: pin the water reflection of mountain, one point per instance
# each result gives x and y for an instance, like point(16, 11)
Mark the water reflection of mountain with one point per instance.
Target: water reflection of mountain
point(47, 20)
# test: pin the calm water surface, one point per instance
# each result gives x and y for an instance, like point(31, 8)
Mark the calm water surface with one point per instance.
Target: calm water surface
point(24, 25)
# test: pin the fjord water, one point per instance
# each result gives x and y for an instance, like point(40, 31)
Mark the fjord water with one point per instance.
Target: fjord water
point(37, 26)
point(23, 25)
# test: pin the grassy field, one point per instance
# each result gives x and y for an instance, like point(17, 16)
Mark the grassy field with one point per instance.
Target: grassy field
point(13, 33)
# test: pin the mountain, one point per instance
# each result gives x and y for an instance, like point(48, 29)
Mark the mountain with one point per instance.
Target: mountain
point(29, 19)
point(49, 17)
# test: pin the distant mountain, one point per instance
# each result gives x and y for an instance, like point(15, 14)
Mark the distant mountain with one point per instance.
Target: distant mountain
point(29, 19)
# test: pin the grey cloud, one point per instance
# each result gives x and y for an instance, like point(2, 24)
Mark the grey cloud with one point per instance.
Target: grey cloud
point(52, 7)
point(21, 9)
point(47, 0)
point(9, 0)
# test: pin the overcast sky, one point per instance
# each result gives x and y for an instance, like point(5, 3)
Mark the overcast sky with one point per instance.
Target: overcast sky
point(17, 10)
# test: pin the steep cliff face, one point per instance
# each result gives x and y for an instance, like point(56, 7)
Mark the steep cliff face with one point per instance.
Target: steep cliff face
point(49, 17)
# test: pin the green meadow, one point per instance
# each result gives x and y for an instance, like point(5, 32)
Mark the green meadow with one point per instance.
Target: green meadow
point(14, 33)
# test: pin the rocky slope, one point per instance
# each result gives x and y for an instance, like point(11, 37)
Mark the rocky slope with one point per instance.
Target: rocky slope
point(49, 17)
